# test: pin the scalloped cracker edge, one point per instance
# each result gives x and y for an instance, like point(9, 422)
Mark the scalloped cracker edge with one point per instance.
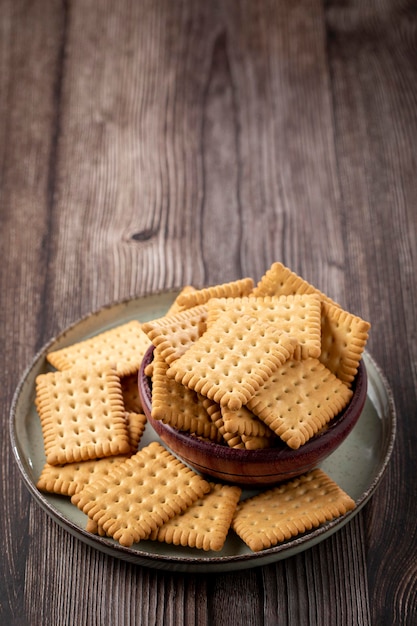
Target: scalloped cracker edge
point(143, 493)
point(233, 358)
point(123, 346)
point(82, 415)
point(278, 514)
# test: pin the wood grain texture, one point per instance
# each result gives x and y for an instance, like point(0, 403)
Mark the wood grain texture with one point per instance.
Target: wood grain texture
point(146, 145)
point(376, 157)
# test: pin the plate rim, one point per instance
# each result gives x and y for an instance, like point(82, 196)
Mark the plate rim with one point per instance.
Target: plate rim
point(200, 563)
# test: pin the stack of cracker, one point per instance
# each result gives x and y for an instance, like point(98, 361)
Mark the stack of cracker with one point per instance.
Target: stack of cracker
point(242, 365)
point(275, 360)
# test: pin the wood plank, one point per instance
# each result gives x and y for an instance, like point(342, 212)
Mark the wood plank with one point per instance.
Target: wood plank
point(31, 47)
point(374, 85)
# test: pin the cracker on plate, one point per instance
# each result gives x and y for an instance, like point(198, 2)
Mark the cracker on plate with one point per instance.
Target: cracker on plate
point(82, 415)
point(123, 347)
point(143, 493)
point(276, 515)
point(67, 479)
point(205, 524)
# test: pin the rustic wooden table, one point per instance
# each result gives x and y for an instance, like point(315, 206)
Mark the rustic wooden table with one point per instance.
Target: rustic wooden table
point(147, 145)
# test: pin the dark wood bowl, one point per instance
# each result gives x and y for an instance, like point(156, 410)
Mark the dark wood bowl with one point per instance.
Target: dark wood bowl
point(255, 467)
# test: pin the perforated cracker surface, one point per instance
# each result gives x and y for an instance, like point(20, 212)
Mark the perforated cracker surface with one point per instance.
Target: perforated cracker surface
point(286, 511)
point(143, 493)
point(298, 399)
point(343, 341)
point(232, 359)
point(123, 347)
point(298, 316)
point(205, 524)
point(279, 280)
point(67, 479)
point(82, 415)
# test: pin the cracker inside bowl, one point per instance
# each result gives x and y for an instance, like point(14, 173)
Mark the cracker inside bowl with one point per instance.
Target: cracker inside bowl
point(261, 467)
point(255, 386)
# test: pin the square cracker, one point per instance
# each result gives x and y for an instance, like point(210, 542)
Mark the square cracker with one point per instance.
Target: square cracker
point(123, 347)
point(232, 359)
point(298, 399)
point(143, 493)
point(287, 510)
point(297, 315)
point(234, 289)
point(205, 524)
point(82, 415)
point(343, 340)
point(281, 281)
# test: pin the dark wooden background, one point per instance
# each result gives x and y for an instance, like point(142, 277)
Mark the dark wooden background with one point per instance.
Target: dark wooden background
point(149, 144)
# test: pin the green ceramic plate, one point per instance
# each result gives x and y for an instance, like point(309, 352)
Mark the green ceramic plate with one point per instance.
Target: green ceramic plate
point(357, 465)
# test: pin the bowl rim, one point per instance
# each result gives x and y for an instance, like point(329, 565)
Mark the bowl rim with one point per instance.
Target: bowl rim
point(344, 421)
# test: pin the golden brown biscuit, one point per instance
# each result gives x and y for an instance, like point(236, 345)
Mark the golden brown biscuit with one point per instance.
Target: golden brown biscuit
point(281, 281)
point(122, 347)
point(177, 405)
point(298, 316)
point(244, 422)
point(298, 399)
point(67, 479)
point(234, 289)
point(136, 423)
point(344, 337)
point(205, 523)
point(143, 493)
point(82, 415)
point(232, 359)
point(285, 511)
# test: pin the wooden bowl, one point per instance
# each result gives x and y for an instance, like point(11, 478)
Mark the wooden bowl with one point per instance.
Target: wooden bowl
point(255, 467)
